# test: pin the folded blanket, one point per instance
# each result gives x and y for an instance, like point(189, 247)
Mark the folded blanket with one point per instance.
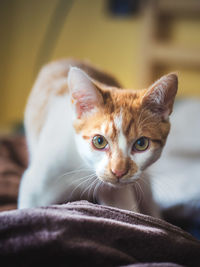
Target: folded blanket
point(85, 234)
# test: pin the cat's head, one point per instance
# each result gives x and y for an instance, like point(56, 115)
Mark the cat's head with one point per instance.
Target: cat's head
point(120, 132)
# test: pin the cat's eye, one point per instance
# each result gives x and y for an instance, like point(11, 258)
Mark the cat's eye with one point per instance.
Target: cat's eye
point(99, 142)
point(141, 144)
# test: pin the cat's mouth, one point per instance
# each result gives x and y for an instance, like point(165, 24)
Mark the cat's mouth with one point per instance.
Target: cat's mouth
point(119, 182)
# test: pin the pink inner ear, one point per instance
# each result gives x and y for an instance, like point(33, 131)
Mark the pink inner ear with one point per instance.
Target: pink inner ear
point(83, 91)
point(84, 103)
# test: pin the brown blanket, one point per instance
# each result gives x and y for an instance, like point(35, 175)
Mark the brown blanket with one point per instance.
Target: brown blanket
point(85, 234)
point(81, 233)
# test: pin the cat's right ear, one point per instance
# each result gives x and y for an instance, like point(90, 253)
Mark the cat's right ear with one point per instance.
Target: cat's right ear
point(85, 96)
point(159, 97)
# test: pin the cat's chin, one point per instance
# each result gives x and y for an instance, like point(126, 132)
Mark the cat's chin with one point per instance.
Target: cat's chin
point(115, 185)
point(119, 183)
point(128, 181)
point(109, 183)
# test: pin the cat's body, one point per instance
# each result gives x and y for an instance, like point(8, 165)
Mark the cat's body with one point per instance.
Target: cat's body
point(87, 138)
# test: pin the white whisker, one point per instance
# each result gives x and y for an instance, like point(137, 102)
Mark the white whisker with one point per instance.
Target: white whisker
point(95, 189)
point(74, 171)
point(87, 187)
point(140, 193)
point(93, 185)
point(84, 180)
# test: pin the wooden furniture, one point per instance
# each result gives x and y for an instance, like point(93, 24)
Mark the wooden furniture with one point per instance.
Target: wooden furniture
point(156, 50)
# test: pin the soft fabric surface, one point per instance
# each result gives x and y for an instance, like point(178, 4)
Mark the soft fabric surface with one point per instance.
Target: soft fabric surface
point(85, 234)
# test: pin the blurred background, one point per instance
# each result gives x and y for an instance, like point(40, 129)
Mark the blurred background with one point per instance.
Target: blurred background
point(135, 40)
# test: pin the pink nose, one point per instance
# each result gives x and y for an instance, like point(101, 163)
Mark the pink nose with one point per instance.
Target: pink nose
point(119, 173)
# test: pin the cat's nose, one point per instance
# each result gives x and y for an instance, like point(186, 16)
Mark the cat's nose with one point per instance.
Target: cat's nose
point(119, 173)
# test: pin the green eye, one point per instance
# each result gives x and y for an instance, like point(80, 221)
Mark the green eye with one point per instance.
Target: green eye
point(99, 141)
point(141, 144)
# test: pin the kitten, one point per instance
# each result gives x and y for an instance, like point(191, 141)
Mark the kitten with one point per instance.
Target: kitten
point(89, 139)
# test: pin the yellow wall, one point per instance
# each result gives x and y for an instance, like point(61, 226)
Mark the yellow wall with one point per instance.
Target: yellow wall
point(88, 32)
point(24, 24)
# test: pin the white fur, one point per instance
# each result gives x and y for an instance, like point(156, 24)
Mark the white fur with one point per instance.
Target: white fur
point(110, 128)
point(122, 143)
point(100, 166)
point(103, 128)
point(118, 121)
point(43, 182)
point(142, 158)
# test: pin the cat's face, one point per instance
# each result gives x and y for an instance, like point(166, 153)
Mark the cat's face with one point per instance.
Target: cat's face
point(120, 132)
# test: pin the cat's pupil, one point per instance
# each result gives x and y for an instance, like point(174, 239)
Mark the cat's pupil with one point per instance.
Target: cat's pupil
point(141, 142)
point(100, 140)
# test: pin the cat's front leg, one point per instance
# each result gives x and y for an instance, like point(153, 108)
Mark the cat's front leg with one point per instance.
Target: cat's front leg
point(27, 196)
point(40, 186)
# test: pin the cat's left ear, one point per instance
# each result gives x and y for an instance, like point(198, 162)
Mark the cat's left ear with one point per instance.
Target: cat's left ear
point(159, 97)
point(85, 96)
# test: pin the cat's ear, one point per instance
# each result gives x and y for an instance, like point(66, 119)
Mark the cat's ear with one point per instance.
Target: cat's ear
point(85, 96)
point(159, 97)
